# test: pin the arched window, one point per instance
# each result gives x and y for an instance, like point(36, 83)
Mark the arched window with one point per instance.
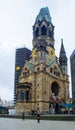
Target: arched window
point(43, 30)
point(51, 34)
point(55, 67)
point(38, 69)
point(25, 68)
point(22, 95)
point(17, 95)
point(50, 70)
point(36, 32)
point(43, 56)
point(64, 61)
point(27, 95)
point(44, 69)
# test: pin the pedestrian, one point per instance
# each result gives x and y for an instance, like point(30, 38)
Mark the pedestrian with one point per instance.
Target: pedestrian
point(23, 115)
point(38, 118)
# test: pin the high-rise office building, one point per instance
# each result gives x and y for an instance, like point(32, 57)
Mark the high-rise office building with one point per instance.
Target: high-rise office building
point(72, 62)
point(22, 54)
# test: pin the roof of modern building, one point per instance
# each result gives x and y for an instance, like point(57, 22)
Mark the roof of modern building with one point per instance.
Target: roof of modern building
point(73, 54)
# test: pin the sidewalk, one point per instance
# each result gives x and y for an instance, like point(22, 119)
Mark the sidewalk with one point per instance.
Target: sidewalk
point(19, 124)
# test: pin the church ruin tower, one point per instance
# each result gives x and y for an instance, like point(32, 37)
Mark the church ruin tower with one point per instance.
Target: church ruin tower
point(43, 27)
point(43, 34)
point(63, 59)
point(42, 83)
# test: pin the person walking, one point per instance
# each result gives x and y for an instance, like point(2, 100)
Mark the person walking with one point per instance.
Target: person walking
point(38, 118)
point(23, 117)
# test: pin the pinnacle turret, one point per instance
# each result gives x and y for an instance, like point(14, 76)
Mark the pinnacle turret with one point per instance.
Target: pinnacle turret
point(43, 28)
point(62, 56)
point(63, 59)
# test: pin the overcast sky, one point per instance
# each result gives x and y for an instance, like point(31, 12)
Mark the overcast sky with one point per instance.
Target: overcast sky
point(16, 20)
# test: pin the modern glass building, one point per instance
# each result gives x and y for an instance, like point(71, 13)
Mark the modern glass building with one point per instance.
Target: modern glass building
point(72, 62)
point(22, 54)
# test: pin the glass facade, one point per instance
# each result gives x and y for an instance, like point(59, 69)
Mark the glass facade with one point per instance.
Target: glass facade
point(72, 62)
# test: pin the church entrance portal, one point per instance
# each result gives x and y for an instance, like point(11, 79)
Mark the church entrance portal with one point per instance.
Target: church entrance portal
point(55, 88)
point(54, 104)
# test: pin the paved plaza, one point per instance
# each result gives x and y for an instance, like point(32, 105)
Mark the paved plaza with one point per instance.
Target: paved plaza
point(19, 124)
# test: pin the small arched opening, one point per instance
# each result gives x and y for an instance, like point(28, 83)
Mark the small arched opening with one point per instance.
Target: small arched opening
point(43, 30)
point(37, 32)
point(55, 88)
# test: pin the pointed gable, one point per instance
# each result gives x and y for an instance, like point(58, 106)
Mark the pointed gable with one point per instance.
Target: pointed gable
point(62, 50)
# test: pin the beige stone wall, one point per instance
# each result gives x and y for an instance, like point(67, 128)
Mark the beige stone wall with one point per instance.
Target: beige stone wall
point(23, 107)
point(41, 92)
point(41, 85)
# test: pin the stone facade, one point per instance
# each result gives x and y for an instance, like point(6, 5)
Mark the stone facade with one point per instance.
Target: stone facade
point(42, 81)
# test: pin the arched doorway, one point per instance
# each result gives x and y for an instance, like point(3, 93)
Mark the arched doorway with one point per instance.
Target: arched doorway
point(55, 88)
point(54, 98)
